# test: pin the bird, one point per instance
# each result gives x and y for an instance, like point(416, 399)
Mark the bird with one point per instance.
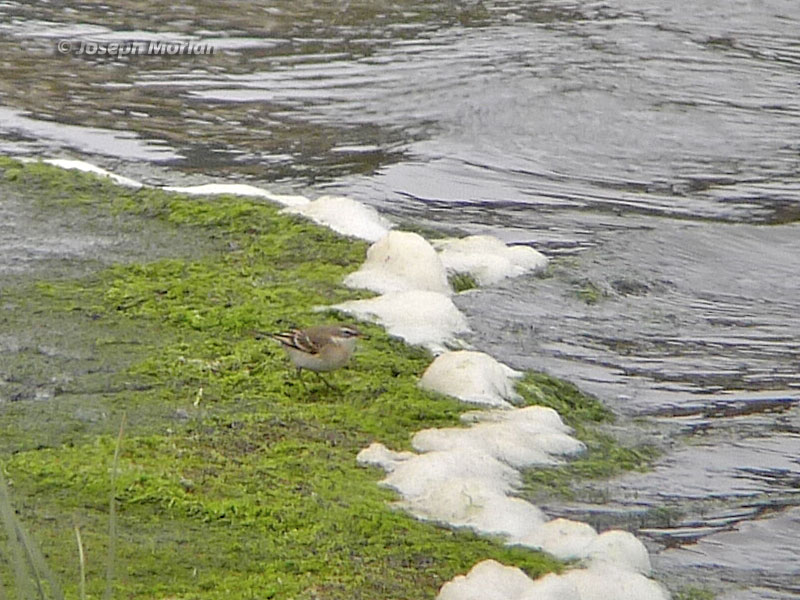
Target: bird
point(320, 348)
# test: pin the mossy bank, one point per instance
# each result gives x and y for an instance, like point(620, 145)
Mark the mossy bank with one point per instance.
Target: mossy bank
point(234, 481)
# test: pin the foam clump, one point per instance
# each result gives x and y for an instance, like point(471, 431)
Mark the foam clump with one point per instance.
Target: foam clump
point(491, 580)
point(401, 261)
point(425, 474)
point(239, 189)
point(467, 489)
point(621, 549)
point(473, 377)
point(419, 317)
point(494, 514)
point(378, 455)
point(345, 216)
point(608, 582)
point(487, 258)
point(86, 167)
point(521, 441)
point(543, 414)
point(463, 476)
point(470, 503)
point(563, 538)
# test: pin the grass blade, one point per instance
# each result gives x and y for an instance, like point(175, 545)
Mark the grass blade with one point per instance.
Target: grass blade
point(81, 563)
point(112, 518)
point(15, 549)
point(39, 566)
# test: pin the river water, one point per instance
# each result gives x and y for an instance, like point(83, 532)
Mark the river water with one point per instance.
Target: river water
point(651, 148)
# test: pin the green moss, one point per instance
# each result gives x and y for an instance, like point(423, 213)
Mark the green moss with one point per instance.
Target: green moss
point(267, 504)
point(604, 456)
point(461, 282)
point(590, 293)
point(234, 481)
point(694, 593)
point(576, 408)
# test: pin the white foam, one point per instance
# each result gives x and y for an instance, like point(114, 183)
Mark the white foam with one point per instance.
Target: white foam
point(542, 414)
point(209, 189)
point(80, 165)
point(421, 318)
point(608, 582)
point(491, 580)
point(473, 377)
point(239, 189)
point(378, 455)
point(426, 473)
point(488, 580)
point(521, 441)
point(345, 216)
point(563, 538)
point(401, 261)
point(471, 503)
point(487, 258)
point(461, 490)
point(619, 548)
point(463, 476)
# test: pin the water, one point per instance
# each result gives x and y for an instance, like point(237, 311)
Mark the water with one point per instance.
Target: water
point(650, 147)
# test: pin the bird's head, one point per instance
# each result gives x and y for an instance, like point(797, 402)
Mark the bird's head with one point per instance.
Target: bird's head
point(349, 331)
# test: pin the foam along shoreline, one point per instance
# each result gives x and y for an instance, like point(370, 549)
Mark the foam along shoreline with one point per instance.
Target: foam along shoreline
point(239, 189)
point(484, 257)
point(464, 477)
point(490, 580)
point(487, 259)
point(345, 216)
point(86, 167)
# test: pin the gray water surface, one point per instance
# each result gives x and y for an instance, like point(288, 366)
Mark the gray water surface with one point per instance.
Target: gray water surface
point(651, 148)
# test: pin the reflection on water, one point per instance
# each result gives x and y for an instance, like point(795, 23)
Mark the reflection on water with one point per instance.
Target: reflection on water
point(651, 147)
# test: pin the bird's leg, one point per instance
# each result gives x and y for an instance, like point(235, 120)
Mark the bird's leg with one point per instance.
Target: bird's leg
point(325, 381)
point(300, 378)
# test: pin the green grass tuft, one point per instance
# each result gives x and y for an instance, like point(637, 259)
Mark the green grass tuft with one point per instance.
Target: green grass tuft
point(461, 282)
point(604, 457)
point(590, 293)
point(694, 593)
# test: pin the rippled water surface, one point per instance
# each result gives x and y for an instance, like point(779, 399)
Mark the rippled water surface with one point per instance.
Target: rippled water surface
point(651, 148)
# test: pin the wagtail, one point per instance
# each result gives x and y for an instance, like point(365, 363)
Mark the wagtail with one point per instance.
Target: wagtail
point(320, 348)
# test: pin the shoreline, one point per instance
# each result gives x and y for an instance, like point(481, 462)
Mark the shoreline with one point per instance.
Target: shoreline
point(235, 422)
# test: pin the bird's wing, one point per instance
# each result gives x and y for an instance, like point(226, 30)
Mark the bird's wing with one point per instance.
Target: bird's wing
point(297, 339)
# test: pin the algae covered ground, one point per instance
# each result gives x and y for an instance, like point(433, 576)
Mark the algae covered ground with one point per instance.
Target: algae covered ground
point(233, 480)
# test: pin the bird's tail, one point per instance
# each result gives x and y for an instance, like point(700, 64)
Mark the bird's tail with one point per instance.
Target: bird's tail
point(260, 335)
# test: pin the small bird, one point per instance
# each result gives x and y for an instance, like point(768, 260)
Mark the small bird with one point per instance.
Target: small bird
point(320, 348)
